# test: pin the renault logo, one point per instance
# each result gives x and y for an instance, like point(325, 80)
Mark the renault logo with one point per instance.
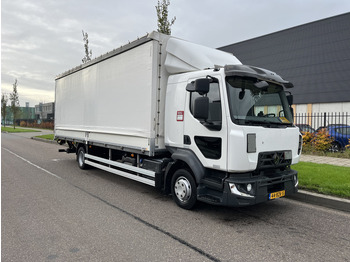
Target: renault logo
point(276, 159)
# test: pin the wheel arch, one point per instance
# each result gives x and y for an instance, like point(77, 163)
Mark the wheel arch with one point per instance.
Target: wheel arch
point(184, 159)
point(79, 145)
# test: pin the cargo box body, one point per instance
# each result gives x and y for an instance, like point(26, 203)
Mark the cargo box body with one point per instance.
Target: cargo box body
point(118, 99)
point(115, 99)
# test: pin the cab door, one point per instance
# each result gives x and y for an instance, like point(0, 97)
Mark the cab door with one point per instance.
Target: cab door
point(207, 138)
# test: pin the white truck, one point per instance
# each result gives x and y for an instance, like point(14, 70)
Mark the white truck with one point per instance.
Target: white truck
point(187, 119)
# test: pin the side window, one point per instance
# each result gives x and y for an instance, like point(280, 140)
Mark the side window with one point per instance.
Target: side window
point(210, 147)
point(215, 115)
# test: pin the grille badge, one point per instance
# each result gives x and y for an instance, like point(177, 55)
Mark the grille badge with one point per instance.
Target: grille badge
point(276, 159)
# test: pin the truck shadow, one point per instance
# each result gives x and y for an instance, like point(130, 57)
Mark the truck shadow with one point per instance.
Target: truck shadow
point(231, 216)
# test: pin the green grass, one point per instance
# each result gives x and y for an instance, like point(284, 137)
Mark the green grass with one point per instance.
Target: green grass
point(345, 153)
point(48, 137)
point(17, 130)
point(324, 179)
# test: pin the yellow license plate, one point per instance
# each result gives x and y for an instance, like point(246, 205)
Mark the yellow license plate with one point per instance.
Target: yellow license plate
point(277, 194)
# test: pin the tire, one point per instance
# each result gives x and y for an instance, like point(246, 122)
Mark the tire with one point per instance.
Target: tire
point(184, 189)
point(335, 147)
point(81, 158)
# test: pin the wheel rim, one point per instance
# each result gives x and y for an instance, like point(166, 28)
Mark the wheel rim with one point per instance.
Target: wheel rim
point(182, 189)
point(81, 158)
point(335, 147)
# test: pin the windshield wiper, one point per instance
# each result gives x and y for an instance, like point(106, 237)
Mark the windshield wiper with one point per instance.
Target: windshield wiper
point(262, 123)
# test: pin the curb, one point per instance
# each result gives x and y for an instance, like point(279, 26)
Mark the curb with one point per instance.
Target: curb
point(44, 140)
point(322, 200)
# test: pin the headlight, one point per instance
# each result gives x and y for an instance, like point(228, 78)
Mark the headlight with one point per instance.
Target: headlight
point(235, 190)
point(249, 187)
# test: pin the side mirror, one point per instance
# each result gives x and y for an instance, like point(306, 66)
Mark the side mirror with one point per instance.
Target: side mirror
point(290, 99)
point(200, 86)
point(201, 108)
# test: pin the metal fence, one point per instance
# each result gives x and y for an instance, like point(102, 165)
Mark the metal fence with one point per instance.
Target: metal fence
point(337, 125)
point(318, 120)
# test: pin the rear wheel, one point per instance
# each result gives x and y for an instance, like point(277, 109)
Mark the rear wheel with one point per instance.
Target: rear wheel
point(81, 158)
point(184, 189)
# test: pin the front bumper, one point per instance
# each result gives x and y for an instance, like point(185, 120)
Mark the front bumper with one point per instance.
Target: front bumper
point(235, 193)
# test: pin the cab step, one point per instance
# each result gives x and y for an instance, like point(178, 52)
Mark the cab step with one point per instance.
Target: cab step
point(209, 199)
point(216, 183)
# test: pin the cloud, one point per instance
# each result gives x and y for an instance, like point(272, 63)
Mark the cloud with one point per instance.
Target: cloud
point(41, 39)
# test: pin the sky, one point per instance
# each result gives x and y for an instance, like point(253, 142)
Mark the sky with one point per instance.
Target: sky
point(41, 39)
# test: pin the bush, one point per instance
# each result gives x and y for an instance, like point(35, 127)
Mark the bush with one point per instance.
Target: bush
point(46, 125)
point(320, 141)
point(307, 138)
point(43, 125)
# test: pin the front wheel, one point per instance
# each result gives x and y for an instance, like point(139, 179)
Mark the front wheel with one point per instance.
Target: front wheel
point(184, 189)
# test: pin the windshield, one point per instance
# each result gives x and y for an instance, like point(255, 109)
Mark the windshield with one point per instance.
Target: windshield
point(254, 102)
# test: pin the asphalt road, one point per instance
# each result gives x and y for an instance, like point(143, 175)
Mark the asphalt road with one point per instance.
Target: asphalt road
point(53, 211)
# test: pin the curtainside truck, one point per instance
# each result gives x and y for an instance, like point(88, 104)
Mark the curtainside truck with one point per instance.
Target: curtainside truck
point(187, 119)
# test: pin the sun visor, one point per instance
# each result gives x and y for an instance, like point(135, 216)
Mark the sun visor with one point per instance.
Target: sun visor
point(183, 56)
point(256, 72)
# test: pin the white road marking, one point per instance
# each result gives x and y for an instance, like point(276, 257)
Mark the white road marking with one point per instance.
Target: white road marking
point(27, 161)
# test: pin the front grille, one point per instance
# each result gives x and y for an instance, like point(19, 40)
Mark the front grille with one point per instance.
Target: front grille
point(271, 160)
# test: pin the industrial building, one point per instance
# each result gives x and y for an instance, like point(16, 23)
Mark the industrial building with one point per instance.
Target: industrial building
point(315, 57)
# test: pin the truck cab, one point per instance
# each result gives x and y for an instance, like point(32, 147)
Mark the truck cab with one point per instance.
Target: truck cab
point(233, 127)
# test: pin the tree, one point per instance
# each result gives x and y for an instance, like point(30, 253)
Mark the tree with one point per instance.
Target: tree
point(14, 98)
point(162, 14)
point(4, 100)
point(88, 54)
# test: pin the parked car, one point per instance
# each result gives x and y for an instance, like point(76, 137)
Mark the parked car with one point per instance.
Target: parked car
point(305, 128)
point(340, 134)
